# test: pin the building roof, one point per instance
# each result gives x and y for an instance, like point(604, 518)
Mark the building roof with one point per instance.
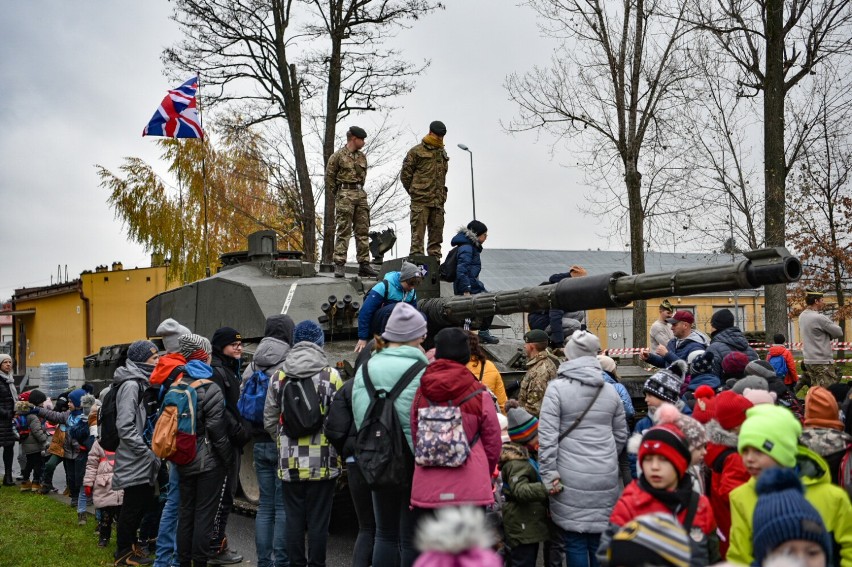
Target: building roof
point(505, 269)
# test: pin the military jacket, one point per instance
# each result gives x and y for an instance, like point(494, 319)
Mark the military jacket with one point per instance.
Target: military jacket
point(345, 167)
point(541, 369)
point(424, 174)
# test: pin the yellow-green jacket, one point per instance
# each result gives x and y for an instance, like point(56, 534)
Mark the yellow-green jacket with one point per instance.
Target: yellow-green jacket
point(830, 500)
point(424, 175)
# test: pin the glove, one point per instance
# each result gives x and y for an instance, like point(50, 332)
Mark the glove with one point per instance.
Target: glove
point(88, 490)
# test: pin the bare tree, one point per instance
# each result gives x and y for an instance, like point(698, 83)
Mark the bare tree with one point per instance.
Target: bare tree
point(614, 88)
point(775, 45)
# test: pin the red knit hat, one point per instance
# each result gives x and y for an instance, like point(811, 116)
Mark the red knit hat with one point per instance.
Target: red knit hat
point(734, 363)
point(667, 441)
point(731, 409)
point(821, 409)
point(705, 404)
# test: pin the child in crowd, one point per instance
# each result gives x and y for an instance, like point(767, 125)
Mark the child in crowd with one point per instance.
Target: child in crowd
point(455, 537)
point(665, 486)
point(791, 377)
point(786, 524)
point(696, 439)
point(651, 539)
point(768, 439)
point(98, 484)
point(525, 513)
point(823, 432)
point(701, 371)
point(36, 441)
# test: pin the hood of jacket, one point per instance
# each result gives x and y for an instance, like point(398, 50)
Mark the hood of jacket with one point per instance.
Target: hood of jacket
point(466, 236)
point(812, 469)
point(585, 369)
point(513, 452)
point(446, 380)
point(824, 441)
point(695, 337)
point(132, 371)
point(719, 436)
point(270, 352)
point(198, 370)
point(777, 350)
point(165, 366)
point(305, 360)
point(732, 337)
point(279, 327)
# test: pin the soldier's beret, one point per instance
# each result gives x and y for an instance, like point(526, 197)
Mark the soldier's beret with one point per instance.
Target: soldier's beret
point(536, 336)
point(438, 128)
point(358, 132)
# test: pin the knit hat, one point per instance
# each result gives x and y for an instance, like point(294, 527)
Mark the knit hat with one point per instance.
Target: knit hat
point(194, 347)
point(705, 404)
point(536, 336)
point(409, 271)
point(731, 409)
point(759, 396)
point(405, 324)
point(36, 397)
point(773, 430)
point(821, 409)
point(523, 426)
point(223, 337)
point(650, 539)
point(309, 331)
point(666, 383)
point(280, 327)
point(76, 397)
point(702, 363)
point(140, 351)
point(681, 317)
point(607, 363)
point(668, 441)
point(452, 344)
point(750, 382)
point(694, 432)
point(760, 368)
point(783, 514)
point(779, 339)
point(477, 227)
point(24, 396)
point(169, 330)
point(582, 343)
point(722, 319)
point(438, 127)
point(4, 357)
point(734, 363)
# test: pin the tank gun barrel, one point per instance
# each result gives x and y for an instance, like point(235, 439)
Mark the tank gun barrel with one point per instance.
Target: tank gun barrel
point(760, 267)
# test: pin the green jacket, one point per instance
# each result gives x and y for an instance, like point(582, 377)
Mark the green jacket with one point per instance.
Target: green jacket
point(424, 175)
point(525, 515)
point(830, 500)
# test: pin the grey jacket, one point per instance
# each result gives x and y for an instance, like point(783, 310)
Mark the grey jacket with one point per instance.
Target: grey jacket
point(586, 461)
point(38, 440)
point(817, 331)
point(135, 463)
point(269, 357)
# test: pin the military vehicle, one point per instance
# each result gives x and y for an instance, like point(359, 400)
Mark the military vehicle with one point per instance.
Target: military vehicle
point(262, 281)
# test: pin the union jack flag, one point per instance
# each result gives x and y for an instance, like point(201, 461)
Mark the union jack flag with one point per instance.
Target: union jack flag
point(177, 116)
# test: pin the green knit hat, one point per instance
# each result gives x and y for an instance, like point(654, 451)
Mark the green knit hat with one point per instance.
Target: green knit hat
point(773, 430)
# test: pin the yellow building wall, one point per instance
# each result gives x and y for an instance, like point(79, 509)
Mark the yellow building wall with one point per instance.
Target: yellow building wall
point(56, 332)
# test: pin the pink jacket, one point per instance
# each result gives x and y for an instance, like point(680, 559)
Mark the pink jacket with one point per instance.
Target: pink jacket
point(99, 469)
point(435, 487)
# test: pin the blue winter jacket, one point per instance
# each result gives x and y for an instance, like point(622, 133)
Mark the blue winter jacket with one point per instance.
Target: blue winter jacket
point(553, 317)
point(468, 264)
point(376, 299)
point(629, 411)
point(697, 380)
point(679, 349)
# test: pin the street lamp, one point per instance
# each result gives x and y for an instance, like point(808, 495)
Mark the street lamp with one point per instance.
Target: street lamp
point(472, 191)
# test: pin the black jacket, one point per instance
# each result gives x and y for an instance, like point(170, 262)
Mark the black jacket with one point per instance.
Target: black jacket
point(214, 448)
point(7, 412)
point(226, 375)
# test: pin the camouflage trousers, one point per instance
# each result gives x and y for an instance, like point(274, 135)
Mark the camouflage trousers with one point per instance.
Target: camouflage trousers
point(351, 214)
point(821, 375)
point(425, 218)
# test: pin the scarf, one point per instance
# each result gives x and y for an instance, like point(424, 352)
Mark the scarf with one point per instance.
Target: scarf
point(433, 140)
point(675, 500)
point(11, 382)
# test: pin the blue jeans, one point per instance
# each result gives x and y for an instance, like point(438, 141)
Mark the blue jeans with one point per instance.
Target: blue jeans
point(395, 523)
point(167, 536)
point(269, 527)
point(580, 549)
point(79, 473)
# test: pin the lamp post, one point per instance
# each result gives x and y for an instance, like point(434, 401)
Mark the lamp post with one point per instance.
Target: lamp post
point(472, 191)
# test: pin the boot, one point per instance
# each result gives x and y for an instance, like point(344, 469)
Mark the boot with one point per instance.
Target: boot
point(7, 480)
point(339, 271)
point(66, 492)
point(103, 541)
point(365, 270)
point(486, 337)
point(133, 557)
point(81, 518)
point(26, 486)
point(35, 487)
point(45, 489)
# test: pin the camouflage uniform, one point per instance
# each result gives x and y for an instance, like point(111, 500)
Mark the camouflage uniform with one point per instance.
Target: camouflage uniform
point(821, 375)
point(424, 176)
point(541, 369)
point(344, 177)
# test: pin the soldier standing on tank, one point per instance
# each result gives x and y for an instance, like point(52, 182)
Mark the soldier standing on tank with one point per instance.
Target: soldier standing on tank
point(424, 176)
point(344, 177)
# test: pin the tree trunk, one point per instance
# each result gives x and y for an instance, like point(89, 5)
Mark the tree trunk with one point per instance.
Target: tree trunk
point(775, 170)
point(332, 102)
point(633, 180)
point(294, 120)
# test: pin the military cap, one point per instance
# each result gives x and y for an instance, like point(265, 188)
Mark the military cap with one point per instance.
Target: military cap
point(667, 305)
point(358, 132)
point(814, 293)
point(438, 127)
point(536, 336)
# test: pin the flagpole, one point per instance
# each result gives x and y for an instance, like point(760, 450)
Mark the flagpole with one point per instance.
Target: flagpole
point(203, 176)
point(182, 212)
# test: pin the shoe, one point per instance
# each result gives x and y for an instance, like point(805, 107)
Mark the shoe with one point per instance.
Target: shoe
point(103, 542)
point(365, 270)
point(81, 518)
point(7, 481)
point(26, 486)
point(73, 503)
point(339, 271)
point(35, 487)
point(133, 557)
point(225, 557)
point(45, 489)
point(487, 338)
point(66, 492)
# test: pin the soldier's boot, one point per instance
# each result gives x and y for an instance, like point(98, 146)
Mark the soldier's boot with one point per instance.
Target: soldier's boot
point(486, 337)
point(365, 270)
point(339, 271)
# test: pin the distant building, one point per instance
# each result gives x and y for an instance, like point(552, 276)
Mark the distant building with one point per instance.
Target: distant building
point(67, 321)
point(6, 328)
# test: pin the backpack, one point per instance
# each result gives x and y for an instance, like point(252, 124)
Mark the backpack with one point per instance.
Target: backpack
point(441, 440)
point(107, 429)
point(381, 448)
point(22, 427)
point(780, 365)
point(716, 467)
point(449, 266)
point(152, 397)
point(253, 397)
point(301, 410)
point(175, 432)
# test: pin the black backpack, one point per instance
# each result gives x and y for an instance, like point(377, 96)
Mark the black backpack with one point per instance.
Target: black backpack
point(301, 410)
point(450, 265)
point(107, 428)
point(381, 448)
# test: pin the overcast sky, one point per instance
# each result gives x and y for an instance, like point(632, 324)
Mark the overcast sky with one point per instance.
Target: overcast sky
point(79, 81)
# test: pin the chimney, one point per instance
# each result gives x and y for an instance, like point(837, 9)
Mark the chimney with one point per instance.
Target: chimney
point(101, 269)
point(117, 266)
point(157, 259)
